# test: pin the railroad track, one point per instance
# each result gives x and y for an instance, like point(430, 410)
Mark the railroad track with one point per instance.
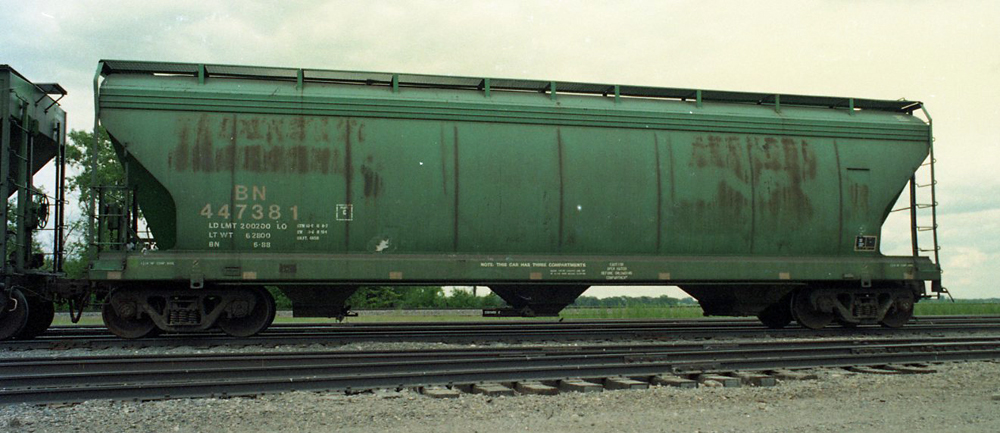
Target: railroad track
point(66, 337)
point(74, 379)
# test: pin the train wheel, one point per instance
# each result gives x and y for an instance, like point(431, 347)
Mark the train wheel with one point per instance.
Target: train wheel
point(900, 312)
point(253, 322)
point(778, 315)
point(123, 322)
point(14, 317)
point(807, 315)
point(41, 313)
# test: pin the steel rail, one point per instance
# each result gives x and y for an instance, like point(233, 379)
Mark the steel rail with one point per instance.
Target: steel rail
point(97, 337)
point(33, 366)
point(553, 320)
point(215, 376)
point(63, 330)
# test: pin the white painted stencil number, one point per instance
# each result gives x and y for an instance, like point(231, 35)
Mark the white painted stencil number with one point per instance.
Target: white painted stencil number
point(345, 212)
point(256, 212)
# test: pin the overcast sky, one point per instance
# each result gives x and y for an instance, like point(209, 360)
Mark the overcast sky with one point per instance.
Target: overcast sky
point(946, 54)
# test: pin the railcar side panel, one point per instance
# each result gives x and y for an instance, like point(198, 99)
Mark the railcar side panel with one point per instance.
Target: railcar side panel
point(452, 185)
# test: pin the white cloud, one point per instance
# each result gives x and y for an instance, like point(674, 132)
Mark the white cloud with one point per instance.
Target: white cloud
point(965, 259)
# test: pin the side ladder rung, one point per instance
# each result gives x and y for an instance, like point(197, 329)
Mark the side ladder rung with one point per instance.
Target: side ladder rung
point(914, 207)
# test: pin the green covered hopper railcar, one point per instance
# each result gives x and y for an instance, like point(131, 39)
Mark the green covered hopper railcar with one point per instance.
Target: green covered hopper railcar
point(319, 181)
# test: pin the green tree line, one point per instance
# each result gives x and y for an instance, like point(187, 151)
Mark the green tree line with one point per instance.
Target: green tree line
point(631, 301)
point(409, 297)
point(108, 172)
point(405, 297)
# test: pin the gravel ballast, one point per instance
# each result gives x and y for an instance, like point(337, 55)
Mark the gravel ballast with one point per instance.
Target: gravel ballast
point(958, 398)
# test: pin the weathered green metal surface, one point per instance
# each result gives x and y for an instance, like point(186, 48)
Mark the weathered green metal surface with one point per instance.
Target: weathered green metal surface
point(310, 176)
point(482, 269)
point(32, 125)
point(45, 119)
